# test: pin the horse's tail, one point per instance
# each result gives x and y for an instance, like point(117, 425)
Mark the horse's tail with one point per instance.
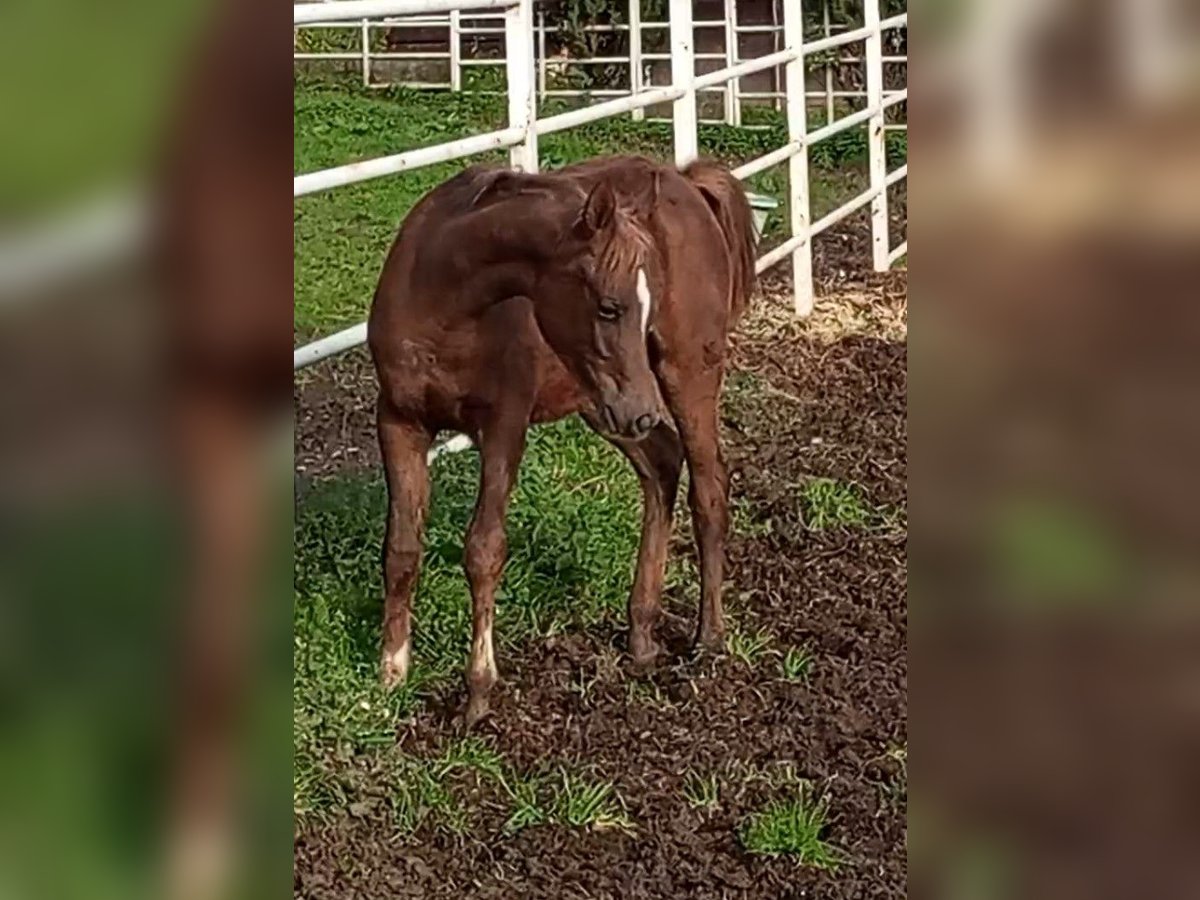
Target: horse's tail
point(727, 199)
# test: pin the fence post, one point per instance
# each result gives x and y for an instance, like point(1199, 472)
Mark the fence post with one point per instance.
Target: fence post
point(683, 75)
point(876, 143)
point(797, 119)
point(635, 54)
point(832, 55)
point(455, 51)
point(541, 54)
point(522, 92)
point(366, 52)
point(733, 107)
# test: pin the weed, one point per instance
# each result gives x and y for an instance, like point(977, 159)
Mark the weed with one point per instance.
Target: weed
point(528, 810)
point(791, 828)
point(828, 503)
point(701, 792)
point(795, 664)
point(748, 648)
point(588, 804)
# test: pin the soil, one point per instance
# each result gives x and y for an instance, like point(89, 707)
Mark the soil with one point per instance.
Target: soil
point(824, 398)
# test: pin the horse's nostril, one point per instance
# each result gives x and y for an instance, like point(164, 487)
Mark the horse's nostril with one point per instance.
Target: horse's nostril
point(644, 423)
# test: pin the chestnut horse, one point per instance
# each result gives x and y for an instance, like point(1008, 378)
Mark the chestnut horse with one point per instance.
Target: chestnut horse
point(606, 289)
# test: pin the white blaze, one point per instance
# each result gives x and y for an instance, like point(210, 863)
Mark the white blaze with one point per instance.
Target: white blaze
point(643, 292)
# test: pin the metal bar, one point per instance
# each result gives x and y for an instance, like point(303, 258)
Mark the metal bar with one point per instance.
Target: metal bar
point(774, 158)
point(329, 346)
point(325, 179)
point(798, 196)
point(541, 52)
point(732, 109)
point(749, 67)
point(522, 92)
point(839, 125)
point(853, 37)
point(455, 35)
point(829, 111)
point(898, 252)
point(635, 55)
point(876, 146)
point(596, 111)
point(366, 54)
point(845, 210)
point(666, 56)
point(683, 78)
point(790, 247)
point(898, 175)
point(304, 13)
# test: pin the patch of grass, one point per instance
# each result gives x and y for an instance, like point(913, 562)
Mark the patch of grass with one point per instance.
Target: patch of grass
point(748, 648)
point(828, 503)
point(792, 828)
point(795, 664)
point(701, 792)
point(528, 810)
point(646, 692)
point(582, 803)
point(572, 552)
point(746, 521)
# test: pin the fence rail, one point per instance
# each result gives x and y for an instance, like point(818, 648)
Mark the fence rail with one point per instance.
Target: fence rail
point(635, 60)
point(524, 127)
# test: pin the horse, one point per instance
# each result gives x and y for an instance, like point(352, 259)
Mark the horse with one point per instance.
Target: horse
point(605, 289)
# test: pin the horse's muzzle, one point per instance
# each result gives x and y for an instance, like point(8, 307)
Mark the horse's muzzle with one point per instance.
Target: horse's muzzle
point(628, 424)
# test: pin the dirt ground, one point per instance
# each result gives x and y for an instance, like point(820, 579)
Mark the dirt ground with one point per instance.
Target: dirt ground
point(823, 398)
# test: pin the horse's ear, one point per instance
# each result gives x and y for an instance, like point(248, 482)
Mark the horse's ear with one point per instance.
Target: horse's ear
point(599, 208)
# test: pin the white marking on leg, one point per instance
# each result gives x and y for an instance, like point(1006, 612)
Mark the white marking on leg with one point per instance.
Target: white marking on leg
point(397, 663)
point(483, 657)
point(643, 292)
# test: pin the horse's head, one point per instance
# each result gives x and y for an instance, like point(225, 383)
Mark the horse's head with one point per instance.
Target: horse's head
point(600, 301)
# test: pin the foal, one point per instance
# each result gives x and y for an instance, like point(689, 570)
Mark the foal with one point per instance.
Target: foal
point(605, 289)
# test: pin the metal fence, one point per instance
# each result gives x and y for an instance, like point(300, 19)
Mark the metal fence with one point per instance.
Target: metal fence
point(552, 69)
point(524, 127)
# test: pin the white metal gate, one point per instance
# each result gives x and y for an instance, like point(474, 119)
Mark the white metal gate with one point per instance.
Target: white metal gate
point(524, 127)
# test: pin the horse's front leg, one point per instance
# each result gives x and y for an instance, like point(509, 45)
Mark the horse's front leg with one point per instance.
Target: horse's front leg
point(404, 446)
point(694, 399)
point(658, 460)
point(501, 446)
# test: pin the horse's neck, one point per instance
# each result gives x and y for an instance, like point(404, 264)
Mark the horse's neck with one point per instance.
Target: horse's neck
point(497, 254)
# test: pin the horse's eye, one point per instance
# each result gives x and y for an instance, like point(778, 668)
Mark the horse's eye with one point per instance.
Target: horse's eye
point(610, 309)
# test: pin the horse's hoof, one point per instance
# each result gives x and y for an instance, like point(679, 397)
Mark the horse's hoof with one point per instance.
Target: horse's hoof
point(393, 668)
point(644, 655)
point(711, 642)
point(477, 710)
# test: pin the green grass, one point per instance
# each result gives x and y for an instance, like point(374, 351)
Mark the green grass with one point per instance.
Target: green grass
point(828, 503)
point(701, 792)
point(342, 236)
point(793, 828)
point(746, 647)
point(582, 803)
point(573, 529)
point(796, 664)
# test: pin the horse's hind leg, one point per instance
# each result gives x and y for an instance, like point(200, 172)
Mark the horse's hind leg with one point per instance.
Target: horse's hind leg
point(404, 446)
point(694, 401)
point(502, 443)
point(658, 459)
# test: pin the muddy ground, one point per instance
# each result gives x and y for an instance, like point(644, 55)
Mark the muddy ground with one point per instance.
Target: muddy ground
point(825, 398)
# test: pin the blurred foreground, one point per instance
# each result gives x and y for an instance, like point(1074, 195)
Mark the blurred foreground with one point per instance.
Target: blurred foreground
point(143, 632)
